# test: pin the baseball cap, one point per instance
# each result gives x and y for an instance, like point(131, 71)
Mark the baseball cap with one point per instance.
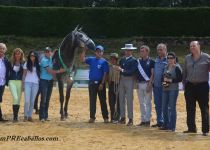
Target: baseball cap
point(47, 49)
point(115, 55)
point(99, 47)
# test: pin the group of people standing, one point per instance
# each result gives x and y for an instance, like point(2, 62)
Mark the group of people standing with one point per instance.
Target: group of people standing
point(160, 77)
point(29, 76)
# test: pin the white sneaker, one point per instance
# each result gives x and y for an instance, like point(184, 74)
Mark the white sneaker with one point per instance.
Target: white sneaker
point(115, 121)
point(42, 120)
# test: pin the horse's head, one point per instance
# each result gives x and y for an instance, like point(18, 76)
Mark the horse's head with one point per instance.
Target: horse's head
point(82, 40)
point(75, 39)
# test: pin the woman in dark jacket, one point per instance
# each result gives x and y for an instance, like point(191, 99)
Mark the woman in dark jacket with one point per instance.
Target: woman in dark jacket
point(15, 80)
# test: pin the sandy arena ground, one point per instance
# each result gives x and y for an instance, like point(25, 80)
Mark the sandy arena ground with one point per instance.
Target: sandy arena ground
point(75, 133)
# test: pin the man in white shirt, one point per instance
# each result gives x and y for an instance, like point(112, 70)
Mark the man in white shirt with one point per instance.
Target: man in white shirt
point(4, 75)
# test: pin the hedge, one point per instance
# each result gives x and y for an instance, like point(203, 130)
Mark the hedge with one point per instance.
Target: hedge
point(105, 22)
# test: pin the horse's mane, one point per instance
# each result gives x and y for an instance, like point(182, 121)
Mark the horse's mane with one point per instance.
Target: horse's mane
point(69, 45)
point(67, 49)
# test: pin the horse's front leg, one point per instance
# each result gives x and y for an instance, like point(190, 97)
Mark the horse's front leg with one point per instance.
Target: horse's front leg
point(68, 91)
point(60, 87)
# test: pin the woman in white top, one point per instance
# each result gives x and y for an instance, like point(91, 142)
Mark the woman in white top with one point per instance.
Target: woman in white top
point(31, 74)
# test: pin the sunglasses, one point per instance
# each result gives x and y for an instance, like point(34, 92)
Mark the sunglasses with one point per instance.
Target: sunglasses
point(47, 51)
point(32, 55)
point(170, 57)
point(17, 53)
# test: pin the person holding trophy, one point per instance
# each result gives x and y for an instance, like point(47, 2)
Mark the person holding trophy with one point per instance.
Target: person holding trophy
point(171, 78)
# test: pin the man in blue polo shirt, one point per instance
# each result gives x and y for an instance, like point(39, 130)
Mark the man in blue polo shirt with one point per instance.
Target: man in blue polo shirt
point(97, 78)
point(145, 79)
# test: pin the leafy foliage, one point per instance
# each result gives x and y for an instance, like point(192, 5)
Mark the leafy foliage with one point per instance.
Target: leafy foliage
point(105, 22)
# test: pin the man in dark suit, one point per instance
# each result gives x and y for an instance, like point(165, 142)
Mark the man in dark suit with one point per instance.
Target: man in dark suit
point(127, 68)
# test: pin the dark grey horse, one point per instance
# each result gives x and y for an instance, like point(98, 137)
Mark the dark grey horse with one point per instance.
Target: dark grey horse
point(64, 58)
point(69, 45)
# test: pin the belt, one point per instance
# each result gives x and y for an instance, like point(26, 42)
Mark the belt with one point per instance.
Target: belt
point(47, 80)
point(94, 82)
point(126, 75)
point(196, 83)
point(143, 81)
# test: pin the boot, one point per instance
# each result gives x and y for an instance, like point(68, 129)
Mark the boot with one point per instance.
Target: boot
point(18, 107)
point(37, 111)
point(14, 108)
point(1, 117)
point(15, 112)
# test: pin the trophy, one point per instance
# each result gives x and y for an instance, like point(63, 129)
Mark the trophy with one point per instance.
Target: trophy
point(166, 75)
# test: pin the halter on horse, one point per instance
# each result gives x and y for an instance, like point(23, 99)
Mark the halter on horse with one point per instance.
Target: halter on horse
point(68, 47)
point(66, 56)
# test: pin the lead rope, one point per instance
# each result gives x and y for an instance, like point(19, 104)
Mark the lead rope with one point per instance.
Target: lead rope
point(68, 71)
point(116, 90)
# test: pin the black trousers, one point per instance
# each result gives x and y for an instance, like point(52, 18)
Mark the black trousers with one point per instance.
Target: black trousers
point(197, 92)
point(93, 92)
point(1, 92)
point(113, 98)
point(1, 95)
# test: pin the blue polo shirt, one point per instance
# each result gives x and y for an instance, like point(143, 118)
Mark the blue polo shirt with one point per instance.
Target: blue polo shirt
point(147, 65)
point(44, 64)
point(159, 70)
point(97, 68)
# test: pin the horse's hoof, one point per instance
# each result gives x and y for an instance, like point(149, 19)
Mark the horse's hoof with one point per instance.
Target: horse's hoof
point(66, 116)
point(62, 118)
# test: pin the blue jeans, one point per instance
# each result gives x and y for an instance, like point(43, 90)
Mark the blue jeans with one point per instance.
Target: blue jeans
point(46, 91)
point(158, 104)
point(31, 90)
point(169, 109)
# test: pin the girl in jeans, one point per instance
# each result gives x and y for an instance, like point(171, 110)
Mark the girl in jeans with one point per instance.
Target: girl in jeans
point(15, 80)
point(31, 84)
point(171, 78)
